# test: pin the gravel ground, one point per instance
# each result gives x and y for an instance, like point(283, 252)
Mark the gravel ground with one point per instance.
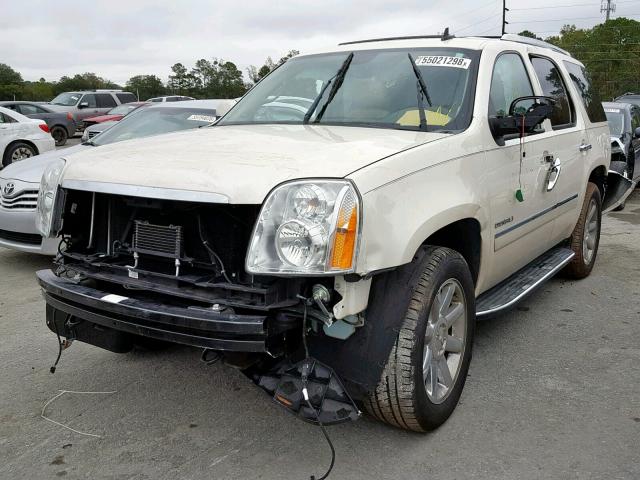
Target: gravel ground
point(553, 393)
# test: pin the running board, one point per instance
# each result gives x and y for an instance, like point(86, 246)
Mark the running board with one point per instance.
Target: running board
point(509, 292)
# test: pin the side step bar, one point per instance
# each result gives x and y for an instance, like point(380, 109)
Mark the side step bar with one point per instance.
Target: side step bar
point(515, 288)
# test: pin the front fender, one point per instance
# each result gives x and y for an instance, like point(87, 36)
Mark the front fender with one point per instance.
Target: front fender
point(617, 190)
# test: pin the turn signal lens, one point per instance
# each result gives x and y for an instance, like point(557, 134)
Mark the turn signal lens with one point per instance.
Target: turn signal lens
point(344, 240)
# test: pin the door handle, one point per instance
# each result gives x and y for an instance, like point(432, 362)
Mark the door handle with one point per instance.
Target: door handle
point(585, 147)
point(554, 173)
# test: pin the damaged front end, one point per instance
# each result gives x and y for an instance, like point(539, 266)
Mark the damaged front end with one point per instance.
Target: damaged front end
point(132, 268)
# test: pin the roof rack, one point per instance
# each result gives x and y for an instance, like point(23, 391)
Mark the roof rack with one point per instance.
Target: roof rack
point(511, 37)
point(444, 36)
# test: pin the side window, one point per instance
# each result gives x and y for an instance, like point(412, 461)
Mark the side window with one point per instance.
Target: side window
point(11, 107)
point(510, 81)
point(105, 100)
point(29, 109)
point(590, 97)
point(173, 99)
point(635, 119)
point(126, 97)
point(7, 119)
point(89, 98)
point(553, 86)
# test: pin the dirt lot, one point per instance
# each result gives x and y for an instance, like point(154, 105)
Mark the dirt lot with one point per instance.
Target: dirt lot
point(553, 393)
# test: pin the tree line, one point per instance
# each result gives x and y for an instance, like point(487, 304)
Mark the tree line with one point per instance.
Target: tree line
point(215, 78)
point(610, 51)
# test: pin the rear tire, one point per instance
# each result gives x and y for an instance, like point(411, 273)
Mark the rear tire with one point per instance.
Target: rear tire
point(16, 152)
point(408, 395)
point(585, 238)
point(60, 135)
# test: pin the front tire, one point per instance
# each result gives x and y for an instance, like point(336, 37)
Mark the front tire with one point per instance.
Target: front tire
point(585, 238)
point(428, 364)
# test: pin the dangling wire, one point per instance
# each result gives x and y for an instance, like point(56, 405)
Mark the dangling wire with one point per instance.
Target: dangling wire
point(305, 392)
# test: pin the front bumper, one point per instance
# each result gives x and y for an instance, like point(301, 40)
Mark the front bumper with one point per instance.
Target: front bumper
point(87, 314)
point(18, 232)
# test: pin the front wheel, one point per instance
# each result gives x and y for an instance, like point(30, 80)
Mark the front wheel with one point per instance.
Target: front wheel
point(585, 238)
point(427, 368)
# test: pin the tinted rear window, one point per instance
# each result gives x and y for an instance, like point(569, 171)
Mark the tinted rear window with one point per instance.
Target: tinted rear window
point(590, 97)
point(126, 97)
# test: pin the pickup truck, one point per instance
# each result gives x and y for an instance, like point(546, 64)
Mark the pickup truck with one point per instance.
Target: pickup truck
point(338, 232)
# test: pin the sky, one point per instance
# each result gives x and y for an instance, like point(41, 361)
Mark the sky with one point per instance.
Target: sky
point(119, 39)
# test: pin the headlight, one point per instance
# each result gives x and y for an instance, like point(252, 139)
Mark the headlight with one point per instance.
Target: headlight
point(47, 197)
point(307, 227)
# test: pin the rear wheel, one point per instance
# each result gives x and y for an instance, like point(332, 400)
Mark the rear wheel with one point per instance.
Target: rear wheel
point(427, 368)
point(60, 135)
point(585, 238)
point(16, 152)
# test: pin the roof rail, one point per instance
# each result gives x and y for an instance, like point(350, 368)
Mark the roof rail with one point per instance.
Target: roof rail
point(444, 36)
point(511, 37)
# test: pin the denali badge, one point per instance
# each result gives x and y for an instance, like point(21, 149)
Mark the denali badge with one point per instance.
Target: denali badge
point(8, 189)
point(502, 223)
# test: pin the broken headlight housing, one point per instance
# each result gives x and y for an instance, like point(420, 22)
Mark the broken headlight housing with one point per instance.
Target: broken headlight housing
point(307, 227)
point(47, 198)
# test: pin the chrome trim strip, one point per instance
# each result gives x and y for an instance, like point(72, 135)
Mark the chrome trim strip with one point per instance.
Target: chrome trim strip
point(535, 216)
point(146, 192)
point(532, 287)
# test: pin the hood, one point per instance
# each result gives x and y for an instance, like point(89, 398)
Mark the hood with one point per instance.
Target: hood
point(241, 162)
point(99, 127)
point(104, 118)
point(31, 169)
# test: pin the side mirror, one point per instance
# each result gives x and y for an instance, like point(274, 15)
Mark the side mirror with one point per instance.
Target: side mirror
point(525, 114)
point(84, 105)
point(637, 133)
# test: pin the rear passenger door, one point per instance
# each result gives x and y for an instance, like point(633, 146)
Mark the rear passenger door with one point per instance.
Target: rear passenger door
point(563, 156)
point(105, 102)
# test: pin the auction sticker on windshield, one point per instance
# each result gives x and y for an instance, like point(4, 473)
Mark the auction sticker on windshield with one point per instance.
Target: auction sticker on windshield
point(444, 61)
point(202, 118)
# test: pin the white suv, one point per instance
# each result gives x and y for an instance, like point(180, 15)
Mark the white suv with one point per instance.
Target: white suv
point(337, 233)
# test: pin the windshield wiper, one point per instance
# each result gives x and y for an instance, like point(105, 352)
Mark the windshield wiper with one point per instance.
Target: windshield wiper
point(337, 80)
point(422, 91)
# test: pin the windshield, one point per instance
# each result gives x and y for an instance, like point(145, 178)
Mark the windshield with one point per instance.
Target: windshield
point(145, 122)
point(122, 109)
point(616, 121)
point(379, 89)
point(67, 99)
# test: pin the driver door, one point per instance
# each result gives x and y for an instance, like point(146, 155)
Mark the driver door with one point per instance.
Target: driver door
point(522, 224)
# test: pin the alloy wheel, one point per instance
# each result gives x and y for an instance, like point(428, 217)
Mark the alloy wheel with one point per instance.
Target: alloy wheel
point(21, 153)
point(444, 341)
point(590, 233)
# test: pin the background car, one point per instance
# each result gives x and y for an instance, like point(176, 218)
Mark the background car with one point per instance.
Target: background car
point(61, 125)
point(629, 98)
point(89, 103)
point(22, 137)
point(624, 125)
point(170, 98)
point(19, 183)
point(220, 107)
point(115, 114)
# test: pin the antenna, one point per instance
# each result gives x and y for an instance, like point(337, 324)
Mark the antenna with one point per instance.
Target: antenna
point(446, 35)
point(504, 16)
point(607, 6)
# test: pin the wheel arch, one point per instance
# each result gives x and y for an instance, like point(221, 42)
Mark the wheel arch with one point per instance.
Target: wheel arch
point(599, 176)
point(28, 142)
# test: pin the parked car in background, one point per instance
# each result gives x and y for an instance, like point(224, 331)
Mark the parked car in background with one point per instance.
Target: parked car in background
point(430, 181)
point(19, 183)
point(624, 125)
point(170, 98)
point(90, 103)
point(220, 107)
point(61, 124)
point(629, 98)
point(114, 114)
point(22, 137)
